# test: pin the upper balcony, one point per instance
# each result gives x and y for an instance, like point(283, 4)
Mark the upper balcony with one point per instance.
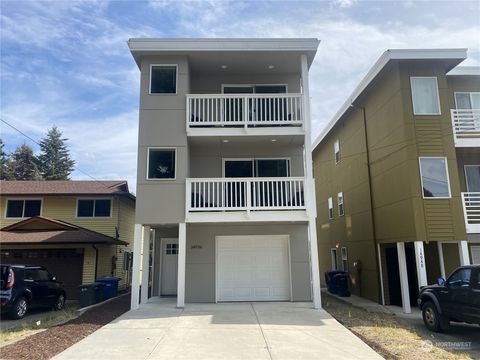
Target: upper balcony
point(466, 127)
point(471, 211)
point(244, 114)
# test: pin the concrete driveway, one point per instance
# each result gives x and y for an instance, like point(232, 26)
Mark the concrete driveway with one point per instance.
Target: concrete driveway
point(276, 330)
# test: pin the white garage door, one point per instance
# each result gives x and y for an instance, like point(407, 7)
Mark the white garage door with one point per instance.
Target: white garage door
point(252, 268)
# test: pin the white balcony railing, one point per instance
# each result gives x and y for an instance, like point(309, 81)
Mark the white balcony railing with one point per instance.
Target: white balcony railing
point(466, 127)
point(244, 110)
point(471, 211)
point(245, 194)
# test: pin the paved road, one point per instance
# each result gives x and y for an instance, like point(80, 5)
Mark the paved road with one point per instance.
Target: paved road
point(464, 337)
point(32, 316)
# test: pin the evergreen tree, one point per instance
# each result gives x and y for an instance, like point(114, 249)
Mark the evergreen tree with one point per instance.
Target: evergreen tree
point(24, 164)
point(5, 164)
point(54, 160)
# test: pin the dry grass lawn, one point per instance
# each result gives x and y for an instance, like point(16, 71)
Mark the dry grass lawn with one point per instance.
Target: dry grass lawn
point(387, 334)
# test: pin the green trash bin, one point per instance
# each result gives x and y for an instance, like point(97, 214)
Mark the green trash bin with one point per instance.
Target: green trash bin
point(87, 295)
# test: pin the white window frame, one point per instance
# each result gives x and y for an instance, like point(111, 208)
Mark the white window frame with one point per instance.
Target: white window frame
point(336, 150)
point(333, 259)
point(464, 92)
point(344, 254)
point(413, 98)
point(252, 86)
point(94, 199)
point(289, 169)
point(465, 173)
point(23, 210)
point(331, 214)
point(148, 163)
point(150, 80)
point(341, 205)
point(421, 177)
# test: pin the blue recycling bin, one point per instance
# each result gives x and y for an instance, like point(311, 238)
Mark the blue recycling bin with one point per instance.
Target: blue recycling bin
point(110, 289)
point(332, 285)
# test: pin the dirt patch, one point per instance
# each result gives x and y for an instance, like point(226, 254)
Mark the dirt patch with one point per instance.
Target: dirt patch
point(387, 334)
point(48, 343)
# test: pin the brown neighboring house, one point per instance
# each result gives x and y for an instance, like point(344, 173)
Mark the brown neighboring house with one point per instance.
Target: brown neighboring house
point(78, 230)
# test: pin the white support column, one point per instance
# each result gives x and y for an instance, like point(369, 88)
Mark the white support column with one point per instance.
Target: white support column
point(382, 290)
point(182, 254)
point(310, 189)
point(441, 260)
point(145, 264)
point(420, 262)
point(463, 252)
point(137, 244)
point(402, 267)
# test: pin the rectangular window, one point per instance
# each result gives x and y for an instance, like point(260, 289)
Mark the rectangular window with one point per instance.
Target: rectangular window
point(472, 178)
point(23, 208)
point(341, 210)
point(336, 148)
point(330, 208)
point(434, 177)
point(256, 167)
point(163, 79)
point(467, 100)
point(94, 208)
point(333, 258)
point(344, 259)
point(425, 96)
point(161, 164)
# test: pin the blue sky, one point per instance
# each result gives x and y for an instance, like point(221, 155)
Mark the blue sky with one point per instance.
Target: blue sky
point(67, 62)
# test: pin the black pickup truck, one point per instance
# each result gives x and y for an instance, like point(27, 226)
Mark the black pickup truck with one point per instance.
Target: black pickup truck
point(457, 299)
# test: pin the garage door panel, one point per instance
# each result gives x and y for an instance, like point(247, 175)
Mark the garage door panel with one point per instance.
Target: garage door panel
point(253, 268)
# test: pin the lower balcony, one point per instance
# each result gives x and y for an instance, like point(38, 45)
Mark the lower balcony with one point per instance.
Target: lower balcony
point(245, 199)
point(471, 211)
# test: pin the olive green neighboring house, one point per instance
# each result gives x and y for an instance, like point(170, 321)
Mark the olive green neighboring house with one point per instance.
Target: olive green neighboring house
point(78, 230)
point(397, 174)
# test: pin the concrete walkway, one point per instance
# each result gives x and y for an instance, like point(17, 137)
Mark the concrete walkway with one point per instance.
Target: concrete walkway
point(276, 330)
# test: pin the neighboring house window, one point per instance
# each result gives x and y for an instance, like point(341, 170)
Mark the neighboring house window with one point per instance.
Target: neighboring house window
point(434, 177)
point(94, 208)
point(336, 147)
point(23, 208)
point(425, 96)
point(161, 164)
point(467, 100)
point(344, 259)
point(472, 178)
point(333, 258)
point(341, 209)
point(163, 79)
point(330, 208)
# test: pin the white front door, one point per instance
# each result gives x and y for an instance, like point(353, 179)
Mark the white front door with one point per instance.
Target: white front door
point(169, 270)
point(253, 268)
point(475, 251)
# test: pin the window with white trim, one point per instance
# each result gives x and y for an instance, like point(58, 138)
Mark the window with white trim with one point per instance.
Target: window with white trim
point(330, 208)
point(434, 177)
point(336, 148)
point(17, 208)
point(344, 258)
point(425, 95)
point(341, 209)
point(163, 79)
point(92, 208)
point(333, 258)
point(161, 164)
point(467, 100)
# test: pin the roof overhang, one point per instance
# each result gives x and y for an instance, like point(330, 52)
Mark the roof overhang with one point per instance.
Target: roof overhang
point(465, 71)
point(452, 57)
point(140, 47)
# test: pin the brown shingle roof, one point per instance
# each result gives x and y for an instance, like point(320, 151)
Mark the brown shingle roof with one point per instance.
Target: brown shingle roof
point(60, 232)
point(65, 187)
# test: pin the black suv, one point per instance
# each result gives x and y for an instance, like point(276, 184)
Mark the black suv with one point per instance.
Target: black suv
point(457, 299)
point(24, 286)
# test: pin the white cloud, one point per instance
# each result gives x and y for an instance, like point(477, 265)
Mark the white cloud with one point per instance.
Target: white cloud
point(344, 3)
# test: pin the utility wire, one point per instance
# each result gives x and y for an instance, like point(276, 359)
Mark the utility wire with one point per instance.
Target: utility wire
point(36, 142)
